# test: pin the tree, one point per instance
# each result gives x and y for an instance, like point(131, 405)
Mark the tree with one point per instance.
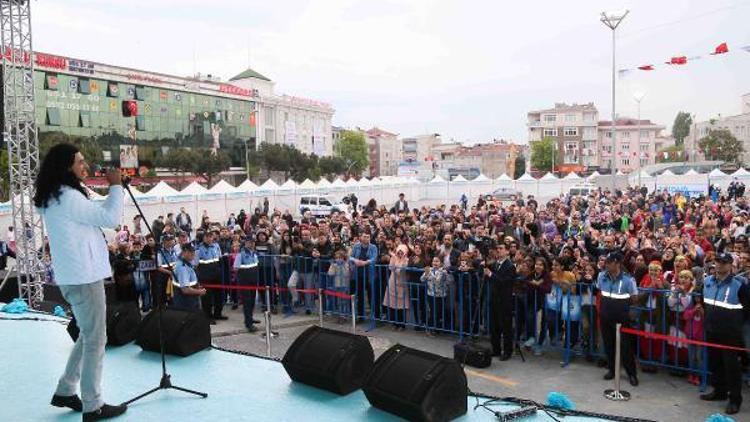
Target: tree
point(352, 147)
point(331, 166)
point(520, 167)
point(673, 154)
point(720, 144)
point(541, 154)
point(178, 160)
point(207, 165)
point(681, 127)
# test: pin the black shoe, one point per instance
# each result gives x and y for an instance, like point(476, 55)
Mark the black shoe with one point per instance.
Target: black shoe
point(732, 408)
point(221, 317)
point(609, 375)
point(714, 396)
point(633, 380)
point(255, 321)
point(212, 321)
point(308, 312)
point(105, 412)
point(252, 329)
point(72, 402)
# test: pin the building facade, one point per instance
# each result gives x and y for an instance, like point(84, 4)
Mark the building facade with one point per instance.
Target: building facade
point(385, 152)
point(574, 131)
point(634, 144)
point(120, 107)
point(738, 125)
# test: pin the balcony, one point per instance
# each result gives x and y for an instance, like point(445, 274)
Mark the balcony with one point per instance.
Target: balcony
point(536, 123)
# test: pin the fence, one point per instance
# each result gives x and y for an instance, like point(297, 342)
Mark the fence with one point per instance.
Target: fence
point(563, 321)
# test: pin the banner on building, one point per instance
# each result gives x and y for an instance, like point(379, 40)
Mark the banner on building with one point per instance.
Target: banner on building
point(129, 156)
point(290, 133)
point(319, 139)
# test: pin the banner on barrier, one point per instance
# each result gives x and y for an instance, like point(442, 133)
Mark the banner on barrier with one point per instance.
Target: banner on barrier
point(689, 189)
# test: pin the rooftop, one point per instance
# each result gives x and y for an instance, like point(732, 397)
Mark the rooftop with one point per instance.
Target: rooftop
point(627, 121)
point(562, 107)
point(377, 133)
point(249, 73)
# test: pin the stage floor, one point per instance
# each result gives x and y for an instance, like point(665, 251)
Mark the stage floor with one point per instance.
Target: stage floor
point(239, 388)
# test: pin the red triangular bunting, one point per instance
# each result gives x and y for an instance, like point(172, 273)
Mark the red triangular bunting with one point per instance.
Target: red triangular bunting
point(646, 67)
point(679, 60)
point(721, 49)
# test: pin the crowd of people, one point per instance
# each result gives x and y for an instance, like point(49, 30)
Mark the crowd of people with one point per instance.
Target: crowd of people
point(560, 273)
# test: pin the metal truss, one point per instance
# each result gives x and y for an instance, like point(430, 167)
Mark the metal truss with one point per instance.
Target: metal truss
point(20, 135)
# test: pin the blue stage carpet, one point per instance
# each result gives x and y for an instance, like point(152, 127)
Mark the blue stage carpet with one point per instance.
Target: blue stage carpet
point(240, 388)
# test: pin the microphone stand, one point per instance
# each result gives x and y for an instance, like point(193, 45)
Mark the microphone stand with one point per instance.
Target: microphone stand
point(166, 379)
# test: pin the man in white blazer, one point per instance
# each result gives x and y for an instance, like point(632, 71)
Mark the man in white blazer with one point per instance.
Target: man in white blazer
point(80, 262)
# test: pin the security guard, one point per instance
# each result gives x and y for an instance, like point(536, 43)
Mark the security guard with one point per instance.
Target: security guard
point(187, 291)
point(166, 257)
point(618, 290)
point(208, 253)
point(725, 297)
point(502, 275)
point(246, 265)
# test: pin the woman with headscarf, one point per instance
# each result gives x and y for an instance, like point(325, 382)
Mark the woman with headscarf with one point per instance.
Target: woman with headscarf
point(396, 297)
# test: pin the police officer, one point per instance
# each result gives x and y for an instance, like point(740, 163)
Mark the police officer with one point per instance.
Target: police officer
point(246, 265)
point(166, 257)
point(725, 297)
point(213, 303)
point(618, 290)
point(187, 292)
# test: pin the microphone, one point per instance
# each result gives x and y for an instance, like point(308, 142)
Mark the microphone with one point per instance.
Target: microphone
point(125, 179)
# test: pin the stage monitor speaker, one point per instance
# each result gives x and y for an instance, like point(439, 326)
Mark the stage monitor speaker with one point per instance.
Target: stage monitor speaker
point(185, 332)
point(332, 360)
point(123, 320)
point(417, 385)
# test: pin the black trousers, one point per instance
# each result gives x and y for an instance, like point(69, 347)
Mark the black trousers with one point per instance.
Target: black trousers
point(418, 297)
point(725, 366)
point(609, 331)
point(501, 330)
point(358, 285)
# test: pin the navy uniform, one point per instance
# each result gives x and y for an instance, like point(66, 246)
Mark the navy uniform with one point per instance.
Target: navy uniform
point(725, 300)
point(186, 277)
point(165, 258)
point(246, 264)
point(616, 294)
point(213, 303)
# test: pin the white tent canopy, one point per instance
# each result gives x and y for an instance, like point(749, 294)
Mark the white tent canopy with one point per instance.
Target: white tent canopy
point(572, 176)
point(593, 176)
point(162, 189)
point(269, 185)
point(459, 178)
point(482, 178)
point(549, 176)
point(222, 187)
point(437, 179)
point(323, 183)
point(338, 183)
point(667, 173)
point(526, 177)
point(691, 172)
point(741, 172)
point(717, 173)
point(247, 185)
point(289, 184)
point(505, 178)
point(193, 189)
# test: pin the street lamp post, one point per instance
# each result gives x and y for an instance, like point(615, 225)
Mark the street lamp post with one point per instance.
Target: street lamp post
point(612, 20)
point(247, 152)
point(638, 97)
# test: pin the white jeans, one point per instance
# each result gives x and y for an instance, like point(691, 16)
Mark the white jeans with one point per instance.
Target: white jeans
point(85, 362)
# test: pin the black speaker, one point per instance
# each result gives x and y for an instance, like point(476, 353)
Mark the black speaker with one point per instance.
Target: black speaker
point(417, 385)
point(123, 320)
point(332, 360)
point(185, 332)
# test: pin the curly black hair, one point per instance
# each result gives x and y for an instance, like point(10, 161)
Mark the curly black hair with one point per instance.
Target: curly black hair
point(56, 172)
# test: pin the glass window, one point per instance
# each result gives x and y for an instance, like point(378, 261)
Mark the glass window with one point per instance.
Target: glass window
point(625, 134)
point(140, 93)
point(84, 86)
point(84, 119)
point(50, 82)
point(53, 116)
point(113, 90)
point(625, 161)
point(570, 117)
point(140, 123)
point(324, 201)
point(645, 134)
point(268, 116)
point(550, 118)
point(550, 132)
point(571, 131)
point(269, 136)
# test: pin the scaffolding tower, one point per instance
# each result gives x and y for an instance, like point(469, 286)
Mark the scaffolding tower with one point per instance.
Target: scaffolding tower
point(20, 136)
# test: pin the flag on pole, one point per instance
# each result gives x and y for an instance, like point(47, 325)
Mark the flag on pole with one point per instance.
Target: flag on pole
point(678, 60)
point(646, 67)
point(721, 49)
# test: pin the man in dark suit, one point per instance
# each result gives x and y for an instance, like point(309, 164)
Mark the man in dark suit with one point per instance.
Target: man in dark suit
point(501, 275)
point(401, 205)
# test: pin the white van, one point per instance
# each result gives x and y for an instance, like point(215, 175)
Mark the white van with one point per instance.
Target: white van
point(321, 205)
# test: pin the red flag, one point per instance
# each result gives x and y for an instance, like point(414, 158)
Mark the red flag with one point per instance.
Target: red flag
point(721, 49)
point(646, 67)
point(679, 60)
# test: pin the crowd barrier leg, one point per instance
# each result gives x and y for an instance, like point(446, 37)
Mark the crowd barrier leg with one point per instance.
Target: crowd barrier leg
point(267, 320)
point(616, 394)
point(320, 307)
point(354, 313)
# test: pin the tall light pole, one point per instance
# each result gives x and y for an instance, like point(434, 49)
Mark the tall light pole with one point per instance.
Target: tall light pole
point(638, 97)
point(612, 20)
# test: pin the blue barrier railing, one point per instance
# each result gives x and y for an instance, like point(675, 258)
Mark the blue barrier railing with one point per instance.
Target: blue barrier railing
point(566, 322)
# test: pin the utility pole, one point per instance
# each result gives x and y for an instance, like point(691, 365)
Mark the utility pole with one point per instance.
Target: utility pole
point(612, 20)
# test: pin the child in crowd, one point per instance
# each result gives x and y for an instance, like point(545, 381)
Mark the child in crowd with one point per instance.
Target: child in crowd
point(340, 273)
point(437, 291)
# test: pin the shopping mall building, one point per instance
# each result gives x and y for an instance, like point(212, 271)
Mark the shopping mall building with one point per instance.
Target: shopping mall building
point(120, 107)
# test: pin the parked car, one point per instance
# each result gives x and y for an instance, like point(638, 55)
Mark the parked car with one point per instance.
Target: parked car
point(321, 205)
point(582, 189)
point(505, 194)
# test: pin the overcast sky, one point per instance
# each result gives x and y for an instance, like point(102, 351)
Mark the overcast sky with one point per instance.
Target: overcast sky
point(469, 70)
